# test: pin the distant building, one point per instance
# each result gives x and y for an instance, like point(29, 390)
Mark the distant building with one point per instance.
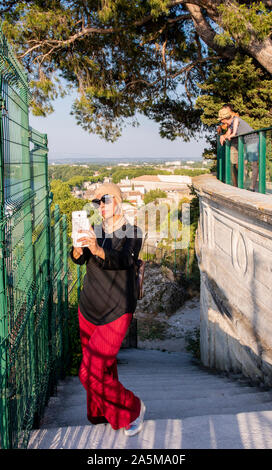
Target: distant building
point(125, 181)
point(89, 185)
point(129, 185)
point(163, 182)
point(139, 187)
point(135, 197)
point(180, 179)
point(125, 187)
point(175, 163)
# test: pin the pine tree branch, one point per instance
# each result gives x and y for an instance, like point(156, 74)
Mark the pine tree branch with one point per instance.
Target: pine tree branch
point(185, 69)
point(87, 31)
point(206, 32)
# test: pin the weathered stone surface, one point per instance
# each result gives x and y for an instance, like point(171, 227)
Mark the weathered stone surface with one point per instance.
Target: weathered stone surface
point(234, 250)
point(161, 292)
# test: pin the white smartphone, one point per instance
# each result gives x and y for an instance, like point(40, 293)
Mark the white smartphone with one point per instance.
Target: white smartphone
point(79, 222)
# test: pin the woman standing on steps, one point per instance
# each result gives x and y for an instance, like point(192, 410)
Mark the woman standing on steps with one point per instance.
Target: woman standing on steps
point(107, 302)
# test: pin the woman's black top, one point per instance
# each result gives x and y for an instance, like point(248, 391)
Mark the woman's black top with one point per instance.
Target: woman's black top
point(109, 286)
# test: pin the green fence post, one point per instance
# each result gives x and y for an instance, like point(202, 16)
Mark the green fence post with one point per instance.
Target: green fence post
point(240, 162)
point(5, 433)
point(65, 289)
point(65, 262)
point(58, 256)
point(26, 385)
point(262, 162)
point(49, 266)
point(220, 160)
point(26, 177)
point(52, 304)
point(58, 312)
point(47, 220)
point(33, 374)
point(227, 163)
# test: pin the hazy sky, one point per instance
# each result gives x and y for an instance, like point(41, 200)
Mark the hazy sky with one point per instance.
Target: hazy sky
point(67, 139)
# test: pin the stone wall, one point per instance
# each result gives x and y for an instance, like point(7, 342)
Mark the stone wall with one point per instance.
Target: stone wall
point(234, 250)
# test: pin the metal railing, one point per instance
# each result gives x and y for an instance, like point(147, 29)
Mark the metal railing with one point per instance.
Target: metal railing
point(33, 265)
point(254, 168)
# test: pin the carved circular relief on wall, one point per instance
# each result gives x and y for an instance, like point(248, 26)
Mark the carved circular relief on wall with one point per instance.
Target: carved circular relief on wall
point(239, 253)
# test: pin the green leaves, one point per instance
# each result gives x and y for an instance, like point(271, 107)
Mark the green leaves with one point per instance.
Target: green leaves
point(239, 82)
point(153, 195)
point(92, 119)
point(67, 203)
point(158, 7)
point(242, 23)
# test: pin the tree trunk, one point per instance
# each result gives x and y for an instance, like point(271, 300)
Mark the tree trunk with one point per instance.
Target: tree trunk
point(206, 32)
point(262, 52)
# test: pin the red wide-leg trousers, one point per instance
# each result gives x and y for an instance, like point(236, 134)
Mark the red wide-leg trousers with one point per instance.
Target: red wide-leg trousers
point(107, 399)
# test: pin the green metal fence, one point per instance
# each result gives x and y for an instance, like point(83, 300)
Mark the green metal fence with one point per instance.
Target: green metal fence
point(251, 174)
point(33, 266)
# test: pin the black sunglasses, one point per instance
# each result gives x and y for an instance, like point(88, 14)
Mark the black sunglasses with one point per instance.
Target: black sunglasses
point(106, 199)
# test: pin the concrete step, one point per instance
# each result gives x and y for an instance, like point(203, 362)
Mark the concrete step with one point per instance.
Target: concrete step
point(140, 355)
point(171, 381)
point(184, 391)
point(164, 372)
point(70, 399)
point(160, 409)
point(190, 378)
point(147, 378)
point(171, 391)
point(251, 430)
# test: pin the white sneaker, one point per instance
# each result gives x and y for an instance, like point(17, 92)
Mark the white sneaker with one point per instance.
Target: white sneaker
point(136, 426)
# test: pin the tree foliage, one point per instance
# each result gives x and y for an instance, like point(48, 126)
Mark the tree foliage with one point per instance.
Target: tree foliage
point(153, 195)
point(154, 57)
point(63, 172)
point(67, 203)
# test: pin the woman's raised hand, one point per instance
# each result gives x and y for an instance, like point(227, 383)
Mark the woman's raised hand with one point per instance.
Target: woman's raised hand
point(90, 241)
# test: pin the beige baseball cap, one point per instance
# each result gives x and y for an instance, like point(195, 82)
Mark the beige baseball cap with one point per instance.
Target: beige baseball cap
point(224, 113)
point(109, 188)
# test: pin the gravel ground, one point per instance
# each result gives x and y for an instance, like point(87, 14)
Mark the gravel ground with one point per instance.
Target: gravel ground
point(169, 332)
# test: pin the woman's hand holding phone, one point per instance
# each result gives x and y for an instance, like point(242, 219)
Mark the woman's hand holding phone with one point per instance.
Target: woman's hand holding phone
point(90, 241)
point(77, 252)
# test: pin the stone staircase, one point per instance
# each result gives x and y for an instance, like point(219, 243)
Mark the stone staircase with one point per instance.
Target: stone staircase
point(187, 407)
